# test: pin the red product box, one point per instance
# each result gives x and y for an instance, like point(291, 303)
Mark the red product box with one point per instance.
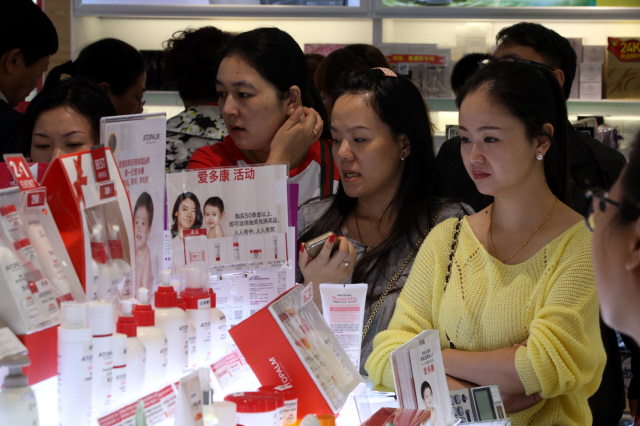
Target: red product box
point(289, 343)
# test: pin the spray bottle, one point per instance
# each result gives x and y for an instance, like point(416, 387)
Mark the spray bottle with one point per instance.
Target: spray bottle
point(174, 323)
point(154, 341)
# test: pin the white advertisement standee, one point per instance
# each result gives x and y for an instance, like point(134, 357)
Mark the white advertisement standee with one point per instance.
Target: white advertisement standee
point(138, 143)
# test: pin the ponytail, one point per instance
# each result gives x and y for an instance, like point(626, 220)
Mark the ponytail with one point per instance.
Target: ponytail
point(54, 75)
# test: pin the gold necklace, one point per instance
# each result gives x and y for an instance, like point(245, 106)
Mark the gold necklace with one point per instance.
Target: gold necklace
point(525, 243)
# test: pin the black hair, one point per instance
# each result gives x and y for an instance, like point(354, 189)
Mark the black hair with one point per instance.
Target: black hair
point(344, 60)
point(532, 95)
point(198, 222)
point(400, 106)
point(191, 61)
point(465, 68)
point(552, 46)
point(277, 57)
point(424, 387)
point(214, 202)
point(630, 184)
point(105, 61)
point(84, 97)
point(24, 26)
point(144, 200)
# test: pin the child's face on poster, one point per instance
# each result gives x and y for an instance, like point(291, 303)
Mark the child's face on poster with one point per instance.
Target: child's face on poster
point(212, 216)
point(142, 228)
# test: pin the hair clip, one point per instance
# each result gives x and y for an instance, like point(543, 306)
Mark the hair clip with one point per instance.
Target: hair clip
point(386, 71)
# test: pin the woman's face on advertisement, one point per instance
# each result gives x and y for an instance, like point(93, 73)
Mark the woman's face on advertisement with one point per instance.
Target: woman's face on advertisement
point(142, 228)
point(186, 214)
point(365, 150)
point(252, 108)
point(59, 131)
point(427, 397)
point(212, 215)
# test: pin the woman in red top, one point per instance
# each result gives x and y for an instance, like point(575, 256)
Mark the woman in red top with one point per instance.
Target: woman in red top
point(266, 103)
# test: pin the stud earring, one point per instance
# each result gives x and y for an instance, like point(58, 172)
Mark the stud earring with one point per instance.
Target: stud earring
point(539, 156)
point(401, 157)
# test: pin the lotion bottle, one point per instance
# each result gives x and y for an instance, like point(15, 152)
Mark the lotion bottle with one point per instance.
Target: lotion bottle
point(101, 324)
point(136, 352)
point(198, 311)
point(218, 330)
point(74, 365)
point(119, 385)
point(17, 400)
point(192, 349)
point(120, 268)
point(174, 323)
point(154, 341)
point(99, 266)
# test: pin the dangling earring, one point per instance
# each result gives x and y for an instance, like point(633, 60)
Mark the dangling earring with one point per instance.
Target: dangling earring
point(539, 156)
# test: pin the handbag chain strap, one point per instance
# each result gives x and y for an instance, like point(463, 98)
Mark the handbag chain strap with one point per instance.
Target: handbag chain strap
point(395, 278)
point(446, 279)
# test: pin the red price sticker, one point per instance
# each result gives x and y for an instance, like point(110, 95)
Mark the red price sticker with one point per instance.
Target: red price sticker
point(21, 172)
point(99, 156)
point(36, 198)
point(107, 190)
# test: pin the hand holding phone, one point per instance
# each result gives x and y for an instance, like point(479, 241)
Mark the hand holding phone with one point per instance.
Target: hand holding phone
point(314, 246)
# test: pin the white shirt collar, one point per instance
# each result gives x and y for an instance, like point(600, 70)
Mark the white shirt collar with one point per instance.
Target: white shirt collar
point(3, 97)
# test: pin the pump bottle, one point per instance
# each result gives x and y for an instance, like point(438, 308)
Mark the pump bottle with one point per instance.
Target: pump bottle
point(154, 341)
point(192, 348)
point(74, 365)
point(218, 330)
point(199, 313)
point(17, 400)
point(136, 352)
point(121, 269)
point(119, 385)
point(101, 324)
point(174, 323)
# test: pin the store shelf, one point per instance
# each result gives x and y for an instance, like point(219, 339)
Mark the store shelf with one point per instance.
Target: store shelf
point(162, 98)
point(574, 106)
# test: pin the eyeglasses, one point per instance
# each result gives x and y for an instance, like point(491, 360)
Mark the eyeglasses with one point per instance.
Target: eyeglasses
point(603, 198)
point(486, 62)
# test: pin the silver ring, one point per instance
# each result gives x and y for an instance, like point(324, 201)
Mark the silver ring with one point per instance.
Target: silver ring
point(346, 264)
point(314, 132)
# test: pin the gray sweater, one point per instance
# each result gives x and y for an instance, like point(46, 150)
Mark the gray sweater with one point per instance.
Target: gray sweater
point(309, 213)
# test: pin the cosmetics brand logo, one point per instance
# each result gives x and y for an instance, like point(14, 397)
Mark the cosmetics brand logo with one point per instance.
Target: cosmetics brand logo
point(280, 371)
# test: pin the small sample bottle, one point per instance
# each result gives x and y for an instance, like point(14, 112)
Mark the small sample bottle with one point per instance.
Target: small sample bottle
point(74, 365)
point(174, 322)
point(275, 246)
point(199, 313)
point(120, 268)
point(216, 245)
point(290, 401)
point(154, 341)
point(236, 249)
point(218, 330)
point(209, 415)
point(17, 400)
point(119, 385)
point(136, 352)
point(254, 409)
point(101, 324)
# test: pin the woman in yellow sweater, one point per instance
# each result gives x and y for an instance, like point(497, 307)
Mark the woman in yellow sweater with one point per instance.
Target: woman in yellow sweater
point(514, 299)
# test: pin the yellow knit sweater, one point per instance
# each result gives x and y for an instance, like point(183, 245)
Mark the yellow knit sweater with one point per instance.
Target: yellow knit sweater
point(549, 300)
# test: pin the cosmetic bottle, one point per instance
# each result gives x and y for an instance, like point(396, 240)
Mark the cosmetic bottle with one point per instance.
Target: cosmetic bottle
point(199, 313)
point(49, 261)
point(154, 341)
point(120, 268)
point(17, 400)
point(254, 409)
point(74, 365)
point(119, 385)
point(209, 415)
point(236, 249)
point(174, 323)
point(136, 352)
point(280, 404)
point(192, 339)
point(226, 412)
point(99, 279)
point(216, 245)
point(290, 401)
point(218, 330)
point(275, 246)
point(101, 324)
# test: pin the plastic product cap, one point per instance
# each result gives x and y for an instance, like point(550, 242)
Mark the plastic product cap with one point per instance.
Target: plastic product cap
point(15, 362)
point(212, 294)
point(166, 276)
point(74, 315)
point(288, 391)
point(127, 322)
point(143, 312)
point(166, 296)
point(253, 402)
point(114, 232)
point(194, 291)
point(101, 318)
point(279, 397)
point(326, 420)
point(119, 350)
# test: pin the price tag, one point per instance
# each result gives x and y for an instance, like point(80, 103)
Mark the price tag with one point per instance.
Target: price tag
point(20, 171)
point(99, 156)
point(107, 190)
point(36, 198)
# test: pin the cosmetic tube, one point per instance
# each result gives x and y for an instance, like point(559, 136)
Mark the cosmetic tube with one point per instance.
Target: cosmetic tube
point(17, 401)
point(343, 309)
point(119, 385)
point(154, 341)
point(99, 287)
point(218, 330)
point(174, 322)
point(136, 353)
point(74, 365)
point(49, 261)
point(120, 268)
point(216, 245)
point(101, 324)
point(199, 313)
